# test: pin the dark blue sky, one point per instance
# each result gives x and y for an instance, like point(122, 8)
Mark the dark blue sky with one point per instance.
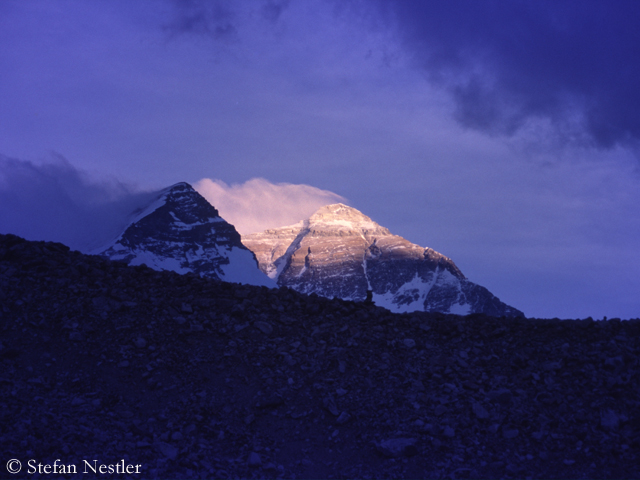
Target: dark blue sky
point(502, 134)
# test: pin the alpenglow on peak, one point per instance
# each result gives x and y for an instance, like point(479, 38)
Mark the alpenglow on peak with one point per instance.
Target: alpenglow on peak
point(340, 252)
point(343, 218)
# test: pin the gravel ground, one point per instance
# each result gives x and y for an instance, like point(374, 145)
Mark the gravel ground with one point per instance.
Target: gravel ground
point(160, 375)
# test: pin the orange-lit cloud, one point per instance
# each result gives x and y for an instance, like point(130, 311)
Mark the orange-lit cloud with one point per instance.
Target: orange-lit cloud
point(258, 204)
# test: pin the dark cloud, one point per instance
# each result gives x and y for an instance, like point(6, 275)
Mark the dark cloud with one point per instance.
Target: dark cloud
point(220, 19)
point(507, 62)
point(273, 9)
point(57, 202)
point(213, 18)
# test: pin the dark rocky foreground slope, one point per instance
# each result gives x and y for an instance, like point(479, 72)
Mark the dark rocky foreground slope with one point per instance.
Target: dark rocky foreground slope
point(189, 377)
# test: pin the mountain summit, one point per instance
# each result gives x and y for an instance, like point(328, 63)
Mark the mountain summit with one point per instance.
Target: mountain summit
point(340, 252)
point(180, 231)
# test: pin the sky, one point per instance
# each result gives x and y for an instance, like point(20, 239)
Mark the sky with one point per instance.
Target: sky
point(503, 134)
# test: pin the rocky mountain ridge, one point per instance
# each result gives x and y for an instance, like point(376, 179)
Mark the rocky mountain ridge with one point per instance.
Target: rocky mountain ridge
point(340, 252)
point(192, 377)
point(180, 231)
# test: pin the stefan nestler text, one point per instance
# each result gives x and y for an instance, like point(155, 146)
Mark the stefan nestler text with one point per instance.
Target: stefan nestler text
point(87, 466)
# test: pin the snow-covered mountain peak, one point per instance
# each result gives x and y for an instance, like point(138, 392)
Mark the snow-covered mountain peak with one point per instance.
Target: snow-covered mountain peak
point(344, 219)
point(187, 202)
point(180, 231)
point(340, 252)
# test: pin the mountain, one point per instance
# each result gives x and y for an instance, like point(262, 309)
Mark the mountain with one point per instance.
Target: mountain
point(180, 231)
point(340, 252)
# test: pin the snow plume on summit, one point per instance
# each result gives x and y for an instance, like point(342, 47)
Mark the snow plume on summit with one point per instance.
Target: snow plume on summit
point(258, 204)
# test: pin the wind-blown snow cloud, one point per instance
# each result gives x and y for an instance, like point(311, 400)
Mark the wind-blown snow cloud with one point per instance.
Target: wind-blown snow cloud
point(258, 204)
point(57, 202)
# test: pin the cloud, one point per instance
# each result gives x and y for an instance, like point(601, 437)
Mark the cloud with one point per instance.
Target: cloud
point(57, 202)
point(220, 20)
point(273, 9)
point(258, 204)
point(507, 64)
point(215, 18)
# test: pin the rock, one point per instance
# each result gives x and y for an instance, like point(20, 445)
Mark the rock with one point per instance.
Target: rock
point(609, 419)
point(343, 418)
point(254, 460)
point(196, 328)
point(330, 404)
point(462, 363)
point(440, 409)
point(551, 366)
point(140, 342)
point(186, 308)
point(76, 337)
point(612, 363)
point(342, 366)
point(502, 396)
point(10, 353)
point(479, 411)
point(449, 432)
point(167, 450)
point(264, 327)
point(397, 447)
point(271, 401)
point(538, 435)
point(409, 342)
point(510, 433)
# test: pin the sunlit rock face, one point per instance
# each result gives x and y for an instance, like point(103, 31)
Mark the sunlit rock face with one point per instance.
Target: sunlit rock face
point(340, 252)
point(182, 232)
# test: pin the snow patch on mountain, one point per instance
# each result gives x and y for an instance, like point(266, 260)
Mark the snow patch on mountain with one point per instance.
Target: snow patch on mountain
point(143, 257)
point(243, 268)
point(409, 297)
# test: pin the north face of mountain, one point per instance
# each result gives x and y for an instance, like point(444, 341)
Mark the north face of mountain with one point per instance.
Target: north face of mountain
point(340, 252)
point(182, 232)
